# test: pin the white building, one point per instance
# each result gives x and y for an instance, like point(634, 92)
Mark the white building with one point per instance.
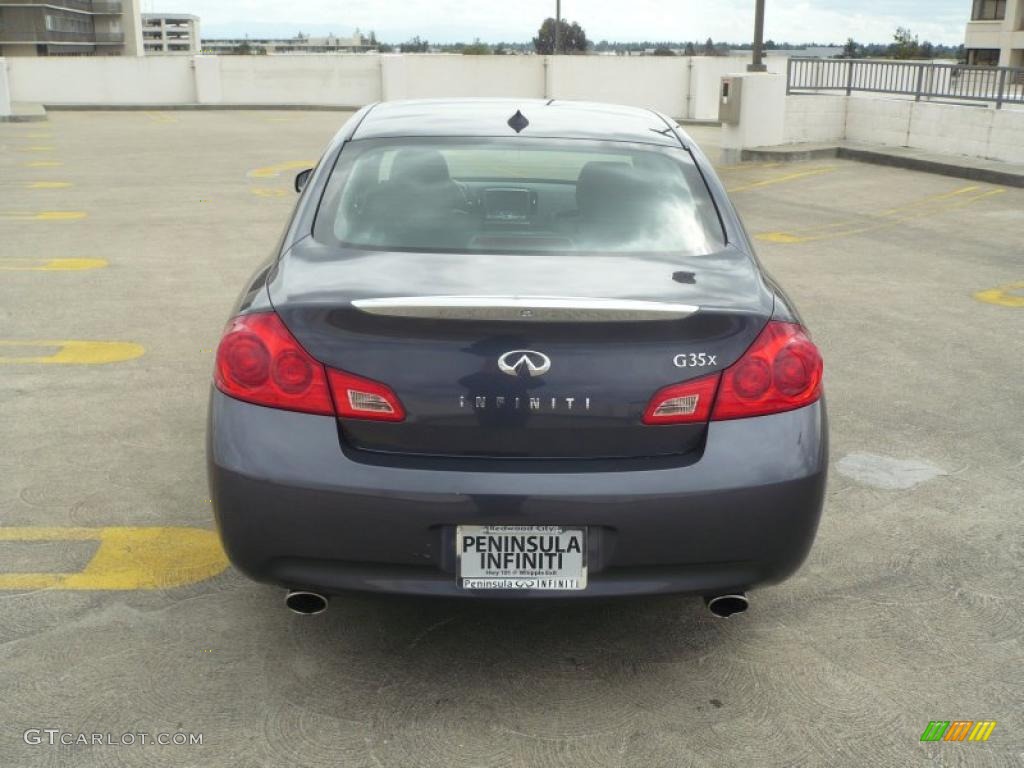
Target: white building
point(995, 34)
point(170, 33)
point(298, 44)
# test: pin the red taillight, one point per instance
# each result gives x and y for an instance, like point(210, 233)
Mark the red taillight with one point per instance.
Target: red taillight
point(259, 361)
point(686, 403)
point(359, 398)
point(780, 372)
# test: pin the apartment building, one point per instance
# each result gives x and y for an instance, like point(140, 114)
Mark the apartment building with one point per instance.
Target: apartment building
point(70, 27)
point(170, 33)
point(298, 44)
point(995, 33)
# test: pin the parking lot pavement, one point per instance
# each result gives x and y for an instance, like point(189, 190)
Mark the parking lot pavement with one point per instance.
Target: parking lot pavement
point(124, 239)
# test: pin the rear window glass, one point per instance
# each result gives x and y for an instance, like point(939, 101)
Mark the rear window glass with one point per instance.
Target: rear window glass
point(493, 196)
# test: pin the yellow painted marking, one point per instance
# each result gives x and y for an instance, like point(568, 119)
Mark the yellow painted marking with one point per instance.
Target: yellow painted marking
point(161, 117)
point(49, 184)
point(36, 148)
point(50, 265)
point(272, 171)
point(43, 164)
point(921, 209)
point(127, 558)
point(746, 166)
point(74, 352)
point(784, 179)
point(1009, 295)
point(35, 136)
point(267, 192)
point(43, 215)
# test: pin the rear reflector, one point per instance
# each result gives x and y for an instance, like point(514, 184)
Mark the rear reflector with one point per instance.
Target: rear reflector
point(259, 361)
point(781, 371)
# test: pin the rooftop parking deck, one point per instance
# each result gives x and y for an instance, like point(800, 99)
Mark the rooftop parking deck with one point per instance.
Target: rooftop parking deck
point(124, 239)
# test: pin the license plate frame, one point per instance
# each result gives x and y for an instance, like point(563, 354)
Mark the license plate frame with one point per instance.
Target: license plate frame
point(475, 571)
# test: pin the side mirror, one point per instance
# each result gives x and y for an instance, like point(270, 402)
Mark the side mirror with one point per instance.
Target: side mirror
point(301, 178)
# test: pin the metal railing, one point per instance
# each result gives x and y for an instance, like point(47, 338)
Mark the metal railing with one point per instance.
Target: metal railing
point(922, 80)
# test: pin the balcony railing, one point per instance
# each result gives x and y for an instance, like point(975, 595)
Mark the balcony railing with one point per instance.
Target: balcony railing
point(49, 36)
point(106, 7)
point(91, 6)
point(922, 80)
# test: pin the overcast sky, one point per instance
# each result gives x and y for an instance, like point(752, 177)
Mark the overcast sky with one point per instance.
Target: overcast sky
point(940, 21)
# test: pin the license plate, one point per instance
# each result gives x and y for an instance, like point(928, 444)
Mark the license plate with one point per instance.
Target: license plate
point(546, 557)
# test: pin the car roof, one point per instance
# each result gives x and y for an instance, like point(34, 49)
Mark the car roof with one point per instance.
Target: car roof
point(548, 118)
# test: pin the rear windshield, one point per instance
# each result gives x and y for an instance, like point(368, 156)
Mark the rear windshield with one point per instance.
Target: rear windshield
point(517, 196)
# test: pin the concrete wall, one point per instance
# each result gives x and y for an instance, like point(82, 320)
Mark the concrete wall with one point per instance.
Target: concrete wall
point(332, 80)
point(815, 118)
point(102, 80)
point(642, 81)
point(680, 87)
point(417, 76)
point(944, 128)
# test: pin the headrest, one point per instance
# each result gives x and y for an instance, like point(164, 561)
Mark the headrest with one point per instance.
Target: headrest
point(420, 166)
point(605, 186)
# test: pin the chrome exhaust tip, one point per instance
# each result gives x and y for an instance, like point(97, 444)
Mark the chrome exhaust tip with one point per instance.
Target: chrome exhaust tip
point(305, 603)
point(724, 606)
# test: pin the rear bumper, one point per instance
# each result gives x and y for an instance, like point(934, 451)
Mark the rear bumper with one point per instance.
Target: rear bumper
point(294, 509)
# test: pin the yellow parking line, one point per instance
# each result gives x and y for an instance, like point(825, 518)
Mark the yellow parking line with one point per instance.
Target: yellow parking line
point(160, 117)
point(50, 265)
point(43, 215)
point(271, 171)
point(746, 167)
point(783, 179)
point(43, 164)
point(267, 192)
point(127, 558)
point(48, 184)
point(36, 148)
point(1009, 295)
point(920, 209)
point(73, 352)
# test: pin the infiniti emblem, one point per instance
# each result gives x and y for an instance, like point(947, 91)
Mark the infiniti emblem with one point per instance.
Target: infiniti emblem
point(516, 360)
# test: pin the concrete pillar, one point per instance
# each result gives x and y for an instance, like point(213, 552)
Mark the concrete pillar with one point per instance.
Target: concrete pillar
point(5, 90)
point(206, 70)
point(762, 115)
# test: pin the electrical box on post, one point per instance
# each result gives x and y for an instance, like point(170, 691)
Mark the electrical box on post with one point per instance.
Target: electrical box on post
point(729, 100)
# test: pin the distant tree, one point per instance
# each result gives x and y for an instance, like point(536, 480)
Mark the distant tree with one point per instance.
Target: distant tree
point(663, 50)
point(691, 50)
point(851, 49)
point(247, 49)
point(926, 51)
point(476, 48)
point(709, 48)
point(500, 50)
point(385, 48)
point(414, 46)
point(372, 39)
point(770, 45)
point(904, 45)
point(573, 38)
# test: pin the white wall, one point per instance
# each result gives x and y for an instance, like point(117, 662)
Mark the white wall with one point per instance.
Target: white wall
point(328, 79)
point(418, 76)
point(654, 82)
point(815, 118)
point(102, 80)
point(680, 87)
point(943, 128)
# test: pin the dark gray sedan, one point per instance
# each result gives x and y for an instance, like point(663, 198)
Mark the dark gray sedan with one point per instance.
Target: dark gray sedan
point(516, 349)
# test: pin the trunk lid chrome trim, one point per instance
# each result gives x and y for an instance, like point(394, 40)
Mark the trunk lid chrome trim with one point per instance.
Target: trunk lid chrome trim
point(525, 308)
